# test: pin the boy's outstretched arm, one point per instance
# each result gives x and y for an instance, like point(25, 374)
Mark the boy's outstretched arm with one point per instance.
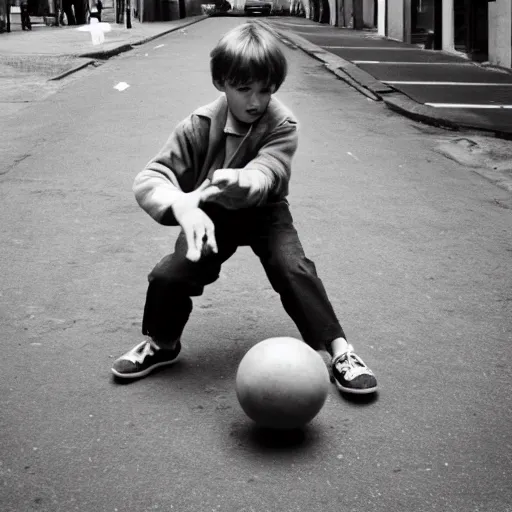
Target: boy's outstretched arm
point(170, 174)
point(263, 178)
point(165, 189)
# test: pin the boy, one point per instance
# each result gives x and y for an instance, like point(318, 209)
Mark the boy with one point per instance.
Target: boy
point(223, 177)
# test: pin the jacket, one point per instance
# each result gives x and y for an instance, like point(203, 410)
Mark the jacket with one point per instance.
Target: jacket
point(189, 156)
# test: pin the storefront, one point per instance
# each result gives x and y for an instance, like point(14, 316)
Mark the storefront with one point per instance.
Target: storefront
point(482, 29)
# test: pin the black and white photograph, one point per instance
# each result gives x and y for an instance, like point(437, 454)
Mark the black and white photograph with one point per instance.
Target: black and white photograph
point(256, 255)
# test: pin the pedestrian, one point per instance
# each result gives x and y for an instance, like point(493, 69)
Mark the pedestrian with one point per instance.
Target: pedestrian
point(222, 176)
point(94, 13)
point(69, 11)
point(99, 7)
point(25, 16)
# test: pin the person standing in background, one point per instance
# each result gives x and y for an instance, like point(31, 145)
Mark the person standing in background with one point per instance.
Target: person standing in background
point(25, 16)
point(99, 6)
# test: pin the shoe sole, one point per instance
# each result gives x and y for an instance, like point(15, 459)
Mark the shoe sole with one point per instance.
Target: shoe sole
point(143, 373)
point(355, 391)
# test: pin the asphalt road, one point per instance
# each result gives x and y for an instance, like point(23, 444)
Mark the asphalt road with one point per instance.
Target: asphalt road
point(415, 252)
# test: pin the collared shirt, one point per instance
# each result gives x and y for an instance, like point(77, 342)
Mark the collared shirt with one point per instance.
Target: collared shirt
point(235, 133)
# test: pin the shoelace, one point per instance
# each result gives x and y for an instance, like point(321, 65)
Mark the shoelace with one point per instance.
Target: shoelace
point(351, 363)
point(138, 354)
point(346, 358)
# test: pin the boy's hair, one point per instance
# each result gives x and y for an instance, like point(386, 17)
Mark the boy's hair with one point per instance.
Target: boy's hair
point(247, 54)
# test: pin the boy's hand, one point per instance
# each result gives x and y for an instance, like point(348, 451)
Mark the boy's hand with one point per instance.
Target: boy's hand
point(200, 234)
point(197, 226)
point(237, 188)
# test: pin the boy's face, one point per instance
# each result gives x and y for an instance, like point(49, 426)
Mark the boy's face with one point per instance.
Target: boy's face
point(247, 102)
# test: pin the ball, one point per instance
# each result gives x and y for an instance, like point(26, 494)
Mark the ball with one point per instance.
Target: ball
point(282, 383)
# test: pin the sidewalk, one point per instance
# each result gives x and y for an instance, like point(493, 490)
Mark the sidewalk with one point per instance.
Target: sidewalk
point(70, 49)
point(434, 87)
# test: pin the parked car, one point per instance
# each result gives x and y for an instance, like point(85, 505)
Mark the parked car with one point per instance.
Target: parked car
point(258, 7)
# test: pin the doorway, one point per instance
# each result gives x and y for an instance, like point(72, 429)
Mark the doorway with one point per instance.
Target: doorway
point(427, 23)
point(183, 9)
point(471, 28)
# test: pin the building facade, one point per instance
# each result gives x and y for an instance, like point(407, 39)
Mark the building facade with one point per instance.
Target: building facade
point(157, 10)
point(481, 29)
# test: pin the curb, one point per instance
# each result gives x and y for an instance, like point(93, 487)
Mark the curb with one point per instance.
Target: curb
point(375, 89)
point(186, 24)
point(120, 48)
point(418, 112)
point(343, 75)
point(124, 47)
point(106, 54)
point(429, 115)
point(343, 69)
point(72, 70)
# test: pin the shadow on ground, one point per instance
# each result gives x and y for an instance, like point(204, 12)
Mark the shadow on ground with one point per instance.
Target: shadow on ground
point(273, 440)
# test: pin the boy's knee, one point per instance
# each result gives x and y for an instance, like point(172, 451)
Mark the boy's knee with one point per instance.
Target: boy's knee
point(182, 276)
point(172, 282)
point(291, 265)
point(159, 276)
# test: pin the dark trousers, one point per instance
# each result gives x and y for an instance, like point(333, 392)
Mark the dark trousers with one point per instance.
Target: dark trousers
point(270, 233)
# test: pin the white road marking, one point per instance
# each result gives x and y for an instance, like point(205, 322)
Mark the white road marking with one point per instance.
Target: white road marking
point(372, 48)
point(298, 25)
point(467, 105)
point(396, 63)
point(121, 86)
point(476, 84)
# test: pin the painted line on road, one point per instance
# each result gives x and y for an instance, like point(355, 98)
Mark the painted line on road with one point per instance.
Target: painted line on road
point(475, 84)
point(412, 63)
point(298, 25)
point(121, 86)
point(467, 105)
point(373, 48)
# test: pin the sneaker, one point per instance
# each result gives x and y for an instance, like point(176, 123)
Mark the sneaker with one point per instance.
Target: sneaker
point(143, 359)
point(351, 375)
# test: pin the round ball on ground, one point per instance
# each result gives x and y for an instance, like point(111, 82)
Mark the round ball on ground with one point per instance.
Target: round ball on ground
point(282, 383)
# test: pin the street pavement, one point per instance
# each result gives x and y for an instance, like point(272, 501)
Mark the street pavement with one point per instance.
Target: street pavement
point(413, 247)
point(429, 86)
point(35, 64)
point(432, 86)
